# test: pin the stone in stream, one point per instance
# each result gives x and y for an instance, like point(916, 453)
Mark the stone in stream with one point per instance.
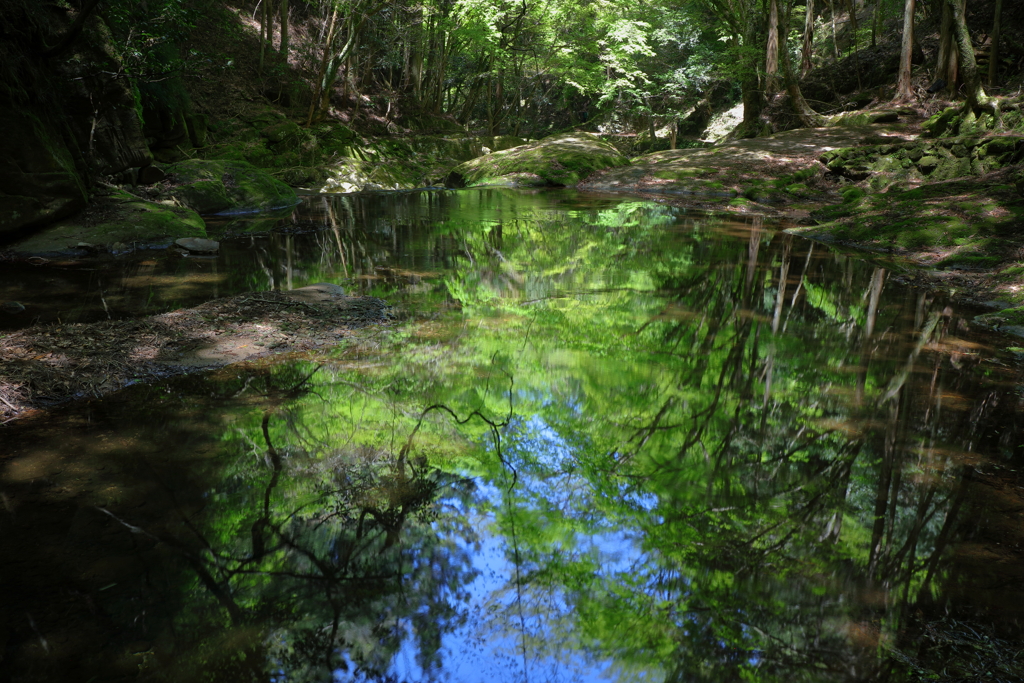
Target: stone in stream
point(198, 245)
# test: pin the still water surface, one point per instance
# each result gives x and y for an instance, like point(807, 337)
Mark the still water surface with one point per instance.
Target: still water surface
point(610, 440)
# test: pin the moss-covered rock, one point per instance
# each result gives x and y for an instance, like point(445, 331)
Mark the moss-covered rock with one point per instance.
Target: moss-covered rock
point(559, 160)
point(117, 218)
point(967, 223)
point(38, 179)
point(226, 186)
point(864, 118)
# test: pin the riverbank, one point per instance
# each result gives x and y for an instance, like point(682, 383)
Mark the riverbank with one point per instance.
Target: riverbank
point(45, 365)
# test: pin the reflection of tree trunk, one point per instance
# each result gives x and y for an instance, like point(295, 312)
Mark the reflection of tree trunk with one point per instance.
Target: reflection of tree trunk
point(877, 282)
point(885, 475)
point(780, 297)
point(947, 526)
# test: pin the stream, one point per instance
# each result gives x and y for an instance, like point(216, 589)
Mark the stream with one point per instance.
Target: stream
point(606, 439)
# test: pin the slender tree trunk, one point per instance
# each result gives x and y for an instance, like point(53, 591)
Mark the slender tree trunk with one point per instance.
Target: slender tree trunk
point(263, 33)
point(805, 61)
point(325, 59)
point(284, 29)
point(993, 59)
point(270, 24)
point(835, 32)
point(947, 66)
point(904, 85)
point(753, 97)
point(771, 62)
point(852, 5)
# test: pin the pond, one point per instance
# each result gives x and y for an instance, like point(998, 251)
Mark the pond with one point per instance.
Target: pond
point(607, 439)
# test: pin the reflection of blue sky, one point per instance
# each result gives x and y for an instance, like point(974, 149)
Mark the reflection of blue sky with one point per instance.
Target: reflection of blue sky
point(489, 646)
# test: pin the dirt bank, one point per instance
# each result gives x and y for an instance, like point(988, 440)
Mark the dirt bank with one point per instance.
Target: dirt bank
point(47, 364)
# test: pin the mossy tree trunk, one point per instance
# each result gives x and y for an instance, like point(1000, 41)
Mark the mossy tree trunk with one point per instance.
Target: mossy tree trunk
point(807, 116)
point(904, 85)
point(977, 100)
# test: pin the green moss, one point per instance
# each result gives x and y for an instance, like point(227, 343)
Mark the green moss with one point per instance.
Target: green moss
point(127, 219)
point(559, 160)
point(852, 194)
point(222, 186)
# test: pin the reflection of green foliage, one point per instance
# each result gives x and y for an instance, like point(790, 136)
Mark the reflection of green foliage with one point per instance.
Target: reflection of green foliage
point(690, 413)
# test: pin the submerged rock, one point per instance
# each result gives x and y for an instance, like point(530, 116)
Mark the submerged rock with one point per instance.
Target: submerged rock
point(198, 245)
point(559, 160)
point(227, 186)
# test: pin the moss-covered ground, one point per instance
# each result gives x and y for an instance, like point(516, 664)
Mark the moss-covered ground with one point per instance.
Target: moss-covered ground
point(116, 220)
point(558, 160)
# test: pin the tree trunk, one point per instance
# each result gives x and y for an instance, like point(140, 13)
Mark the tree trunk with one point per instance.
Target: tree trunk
point(993, 60)
point(325, 60)
point(263, 34)
point(947, 66)
point(771, 62)
point(904, 86)
point(270, 24)
point(852, 5)
point(284, 29)
point(835, 43)
point(808, 116)
point(753, 97)
point(805, 62)
point(977, 100)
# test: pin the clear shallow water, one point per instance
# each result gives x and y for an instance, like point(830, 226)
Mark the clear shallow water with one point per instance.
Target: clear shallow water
point(614, 441)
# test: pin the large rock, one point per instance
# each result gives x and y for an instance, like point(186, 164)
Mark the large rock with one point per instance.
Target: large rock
point(117, 217)
point(39, 182)
point(227, 187)
point(558, 160)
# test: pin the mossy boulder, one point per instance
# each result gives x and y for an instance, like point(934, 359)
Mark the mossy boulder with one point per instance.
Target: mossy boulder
point(559, 160)
point(281, 132)
point(227, 186)
point(864, 118)
point(38, 179)
point(117, 218)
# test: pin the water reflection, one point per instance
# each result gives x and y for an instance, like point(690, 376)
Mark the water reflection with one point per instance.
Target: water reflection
point(640, 445)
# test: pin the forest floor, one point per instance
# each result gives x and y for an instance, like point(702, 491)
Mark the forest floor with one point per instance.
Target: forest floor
point(44, 365)
point(777, 175)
